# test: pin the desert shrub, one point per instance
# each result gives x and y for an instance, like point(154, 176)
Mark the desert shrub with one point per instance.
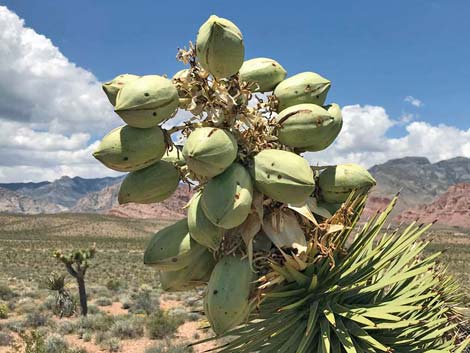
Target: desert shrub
point(161, 325)
point(31, 342)
point(114, 284)
point(112, 344)
point(48, 302)
point(67, 327)
point(93, 309)
point(128, 327)
point(3, 311)
point(87, 336)
point(16, 325)
point(27, 306)
point(180, 315)
point(101, 336)
point(99, 291)
point(5, 292)
point(103, 301)
point(144, 302)
point(169, 347)
point(98, 322)
point(6, 339)
point(56, 344)
point(36, 319)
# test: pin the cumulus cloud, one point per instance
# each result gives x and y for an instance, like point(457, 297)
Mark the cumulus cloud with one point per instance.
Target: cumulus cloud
point(52, 113)
point(364, 139)
point(413, 101)
point(50, 108)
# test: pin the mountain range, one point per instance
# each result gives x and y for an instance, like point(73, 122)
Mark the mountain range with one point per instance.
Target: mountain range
point(419, 182)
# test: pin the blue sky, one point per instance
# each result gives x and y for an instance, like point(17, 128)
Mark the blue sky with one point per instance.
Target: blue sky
point(376, 53)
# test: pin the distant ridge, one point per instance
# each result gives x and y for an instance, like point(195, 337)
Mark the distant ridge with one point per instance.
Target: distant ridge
point(64, 192)
point(420, 182)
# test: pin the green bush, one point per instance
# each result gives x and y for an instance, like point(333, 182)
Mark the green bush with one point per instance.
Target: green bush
point(56, 344)
point(3, 311)
point(161, 325)
point(32, 342)
point(103, 301)
point(67, 327)
point(180, 315)
point(112, 344)
point(36, 319)
point(114, 285)
point(128, 327)
point(87, 336)
point(143, 302)
point(93, 309)
point(16, 326)
point(97, 322)
point(5, 292)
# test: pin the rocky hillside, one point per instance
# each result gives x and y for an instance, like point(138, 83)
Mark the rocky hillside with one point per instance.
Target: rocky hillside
point(98, 201)
point(451, 208)
point(14, 202)
point(418, 180)
point(169, 209)
point(64, 192)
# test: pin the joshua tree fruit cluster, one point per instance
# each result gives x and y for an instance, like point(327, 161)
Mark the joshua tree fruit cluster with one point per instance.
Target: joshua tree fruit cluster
point(270, 235)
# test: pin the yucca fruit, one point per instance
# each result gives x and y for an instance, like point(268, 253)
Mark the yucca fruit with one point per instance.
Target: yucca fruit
point(275, 240)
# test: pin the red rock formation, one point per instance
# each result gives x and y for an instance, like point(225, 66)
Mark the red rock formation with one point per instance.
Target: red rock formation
point(452, 208)
point(169, 209)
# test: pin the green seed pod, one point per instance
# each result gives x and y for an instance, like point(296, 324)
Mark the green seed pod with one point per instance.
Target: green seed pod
point(174, 156)
point(197, 273)
point(172, 249)
point(147, 101)
point(127, 149)
point(267, 73)
point(112, 88)
point(306, 87)
point(209, 151)
point(219, 47)
point(181, 75)
point(309, 126)
point(227, 299)
point(337, 182)
point(283, 176)
point(152, 184)
point(201, 229)
point(226, 199)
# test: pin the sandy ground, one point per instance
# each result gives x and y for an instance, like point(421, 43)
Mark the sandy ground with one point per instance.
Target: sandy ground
point(186, 333)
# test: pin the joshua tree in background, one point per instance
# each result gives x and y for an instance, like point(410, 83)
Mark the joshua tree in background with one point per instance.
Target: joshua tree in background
point(77, 262)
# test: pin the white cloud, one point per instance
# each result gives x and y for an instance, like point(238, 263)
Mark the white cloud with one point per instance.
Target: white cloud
point(49, 108)
point(51, 112)
point(364, 139)
point(414, 101)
